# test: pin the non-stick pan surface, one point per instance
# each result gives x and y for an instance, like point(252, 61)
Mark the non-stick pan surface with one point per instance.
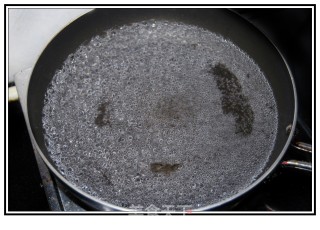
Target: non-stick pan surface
point(223, 22)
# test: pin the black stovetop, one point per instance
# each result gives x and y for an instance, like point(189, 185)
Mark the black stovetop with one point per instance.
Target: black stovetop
point(286, 189)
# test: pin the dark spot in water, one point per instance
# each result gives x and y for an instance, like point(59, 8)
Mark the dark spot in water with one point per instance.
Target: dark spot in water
point(137, 178)
point(248, 75)
point(233, 100)
point(194, 45)
point(125, 204)
point(163, 168)
point(103, 117)
point(174, 110)
point(107, 178)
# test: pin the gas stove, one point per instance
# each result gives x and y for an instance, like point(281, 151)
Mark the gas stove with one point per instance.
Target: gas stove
point(287, 189)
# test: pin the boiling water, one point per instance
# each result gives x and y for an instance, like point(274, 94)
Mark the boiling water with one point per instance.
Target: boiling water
point(160, 115)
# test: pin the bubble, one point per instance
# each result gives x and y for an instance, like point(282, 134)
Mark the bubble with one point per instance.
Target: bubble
point(130, 98)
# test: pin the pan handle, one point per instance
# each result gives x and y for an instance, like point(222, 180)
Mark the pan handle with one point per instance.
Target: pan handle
point(13, 94)
point(302, 147)
point(300, 165)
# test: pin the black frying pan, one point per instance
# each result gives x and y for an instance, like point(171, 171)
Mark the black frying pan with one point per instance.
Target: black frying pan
point(220, 21)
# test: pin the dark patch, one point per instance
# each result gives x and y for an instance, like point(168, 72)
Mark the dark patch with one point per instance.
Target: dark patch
point(125, 204)
point(163, 168)
point(137, 178)
point(103, 117)
point(233, 100)
point(248, 75)
point(107, 179)
point(121, 139)
point(174, 109)
point(270, 107)
point(194, 45)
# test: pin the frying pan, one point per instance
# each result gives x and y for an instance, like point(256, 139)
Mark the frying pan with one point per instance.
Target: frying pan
point(220, 21)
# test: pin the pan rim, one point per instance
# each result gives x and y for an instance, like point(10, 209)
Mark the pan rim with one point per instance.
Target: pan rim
point(106, 206)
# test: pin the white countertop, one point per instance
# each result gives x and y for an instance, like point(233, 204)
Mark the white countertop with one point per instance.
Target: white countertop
point(30, 30)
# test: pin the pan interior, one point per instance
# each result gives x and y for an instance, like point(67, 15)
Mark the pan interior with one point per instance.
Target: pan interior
point(160, 113)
